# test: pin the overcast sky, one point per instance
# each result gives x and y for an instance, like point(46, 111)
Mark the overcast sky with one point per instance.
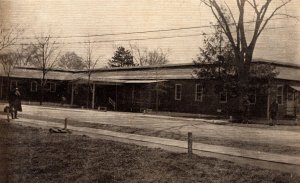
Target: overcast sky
point(89, 17)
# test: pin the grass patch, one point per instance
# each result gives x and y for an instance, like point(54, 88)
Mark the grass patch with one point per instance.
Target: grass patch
point(34, 155)
point(256, 146)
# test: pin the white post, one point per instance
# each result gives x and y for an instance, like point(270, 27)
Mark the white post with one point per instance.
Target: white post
point(72, 94)
point(93, 97)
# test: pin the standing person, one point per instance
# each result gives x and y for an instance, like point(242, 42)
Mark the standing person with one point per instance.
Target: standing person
point(15, 103)
point(246, 106)
point(63, 100)
point(273, 112)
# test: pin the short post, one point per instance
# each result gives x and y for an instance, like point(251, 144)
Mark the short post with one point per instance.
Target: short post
point(66, 123)
point(7, 113)
point(190, 144)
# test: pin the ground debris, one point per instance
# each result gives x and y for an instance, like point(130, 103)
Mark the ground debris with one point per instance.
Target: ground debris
point(59, 130)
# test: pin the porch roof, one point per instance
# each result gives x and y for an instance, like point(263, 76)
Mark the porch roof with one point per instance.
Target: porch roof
point(33, 73)
point(108, 81)
point(297, 88)
point(288, 73)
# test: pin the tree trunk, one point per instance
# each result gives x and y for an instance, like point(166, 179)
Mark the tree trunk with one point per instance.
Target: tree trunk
point(243, 66)
point(88, 92)
point(8, 87)
point(43, 83)
point(42, 93)
point(1, 89)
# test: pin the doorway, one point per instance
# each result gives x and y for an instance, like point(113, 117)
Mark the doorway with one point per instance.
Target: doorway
point(291, 102)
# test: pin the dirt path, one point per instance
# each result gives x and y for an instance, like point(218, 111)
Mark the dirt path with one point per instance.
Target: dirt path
point(263, 147)
point(270, 135)
point(241, 156)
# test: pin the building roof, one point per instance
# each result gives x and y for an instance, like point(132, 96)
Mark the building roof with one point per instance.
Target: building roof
point(33, 73)
point(286, 71)
point(164, 72)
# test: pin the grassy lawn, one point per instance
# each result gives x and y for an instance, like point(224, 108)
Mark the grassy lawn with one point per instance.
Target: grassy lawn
point(264, 147)
point(35, 155)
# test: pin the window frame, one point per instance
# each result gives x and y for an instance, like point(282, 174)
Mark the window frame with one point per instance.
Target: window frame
point(50, 87)
point(11, 84)
point(281, 102)
point(226, 96)
point(180, 96)
point(290, 91)
point(254, 96)
point(31, 86)
point(198, 92)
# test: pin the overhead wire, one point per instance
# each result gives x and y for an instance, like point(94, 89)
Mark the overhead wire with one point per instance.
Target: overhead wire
point(142, 39)
point(138, 32)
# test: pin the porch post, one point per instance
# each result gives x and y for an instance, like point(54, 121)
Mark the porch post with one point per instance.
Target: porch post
point(268, 99)
point(268, 103)
point(72, 94)
point(116, 97)
point(93, 97)
point(1, 89)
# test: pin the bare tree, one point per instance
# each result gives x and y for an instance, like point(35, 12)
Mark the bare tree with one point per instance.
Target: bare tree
point(44, 54)
point(89, 63)
point(70, 60)
point(8, 62)
point(143, 56)
point(243, 48)
point(9, 36)
point(243, 43)
point(139, 53)
point(26, 53)
point(157, 57)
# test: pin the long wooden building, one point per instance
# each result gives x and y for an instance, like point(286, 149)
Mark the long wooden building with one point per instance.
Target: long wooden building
point(173, 88)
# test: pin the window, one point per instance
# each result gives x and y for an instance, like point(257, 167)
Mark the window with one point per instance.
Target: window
point(178, 90)
point(223, 97)
point(252, 96)
point(52, 87)
point(279, 95)
point(33, 87)
point(199, 92)
point(290, 94)
point(13, 84)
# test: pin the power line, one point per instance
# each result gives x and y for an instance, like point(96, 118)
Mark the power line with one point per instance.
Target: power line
point(143, 39)
point(140, 32)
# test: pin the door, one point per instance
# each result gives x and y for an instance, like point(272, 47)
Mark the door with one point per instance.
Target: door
point(290, 104)
point(297, 103)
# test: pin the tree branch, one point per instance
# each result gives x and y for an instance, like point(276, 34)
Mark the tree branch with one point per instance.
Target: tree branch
point(271, 16)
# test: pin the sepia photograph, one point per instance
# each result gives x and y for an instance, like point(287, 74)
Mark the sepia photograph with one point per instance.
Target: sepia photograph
point(129, 91)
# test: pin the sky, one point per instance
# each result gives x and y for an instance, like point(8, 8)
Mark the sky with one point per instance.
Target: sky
point(280, 41)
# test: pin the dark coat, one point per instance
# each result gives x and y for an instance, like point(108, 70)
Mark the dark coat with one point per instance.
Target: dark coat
point(15, 100)
point(274, 110)
point(274, 107)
